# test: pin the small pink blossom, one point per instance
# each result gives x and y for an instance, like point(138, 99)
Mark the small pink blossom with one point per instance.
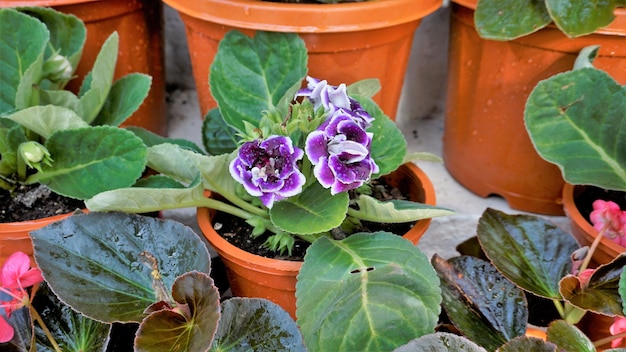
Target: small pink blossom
point(608, 216)
point(618, 327)
point(584, 276)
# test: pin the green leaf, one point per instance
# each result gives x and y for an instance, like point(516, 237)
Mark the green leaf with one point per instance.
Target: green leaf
point(125, 97)
point(506, 20)
point(61, 98)
point(190, 330)
point(568, 337)
point(94, 262)
point(396, 211)
point(576, 18)
point(11, 136)
point(364, 88)
point(91, 160)
point(388, 143)
point(22, 325)
point(250, 75)
point(586, 56)
point(530, 251)
point(528, 344)
point(312, 211)
point(73, 331)
point(601, 293)
point(22, 60)
point(256, 324)
point(485, 306)
point(440, 342)
point(217, 136)
point(622, 289)
point(374, 279)
point(151, 139)
point(577, 120)
point(45, 120)
point(97, 85)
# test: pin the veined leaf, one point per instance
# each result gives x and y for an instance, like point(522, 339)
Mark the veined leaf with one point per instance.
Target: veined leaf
point(568, 337)
point(99, 263)
point(364, 88)
point(217, 136)
point(45, 120)
point(396, 211)
point(506, 20)
point(125, 97)
point(374, 279)
point(440, 342)
point(576, 18)
point(151, 139)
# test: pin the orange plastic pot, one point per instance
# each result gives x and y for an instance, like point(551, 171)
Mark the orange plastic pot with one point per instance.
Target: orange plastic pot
point(486, 146)
point(582, 230)
point(14, 236)
point(346, 42)
point(139, 25)
point(251, 275)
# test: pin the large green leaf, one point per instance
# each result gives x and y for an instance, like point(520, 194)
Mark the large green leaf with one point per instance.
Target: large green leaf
point(125, 97)
point(312, 211)
point(368, 292)
point(577, 120)
point(217, 136)
point(72, 331)
point(91, 160)
point(192, 326)
point(580, 17)
point(485, 306)
point(528, 344)
point(255, 324)
point(250, 75)
point(151, 139)
point(530, 251)
point(568, 337)
point(395, 211)
point(440, 342)
point(506, 20)
point(96, 262)
point(601, 293)
point(97, 84)
point(11, 136)
point(22, 60)
point(45, 120)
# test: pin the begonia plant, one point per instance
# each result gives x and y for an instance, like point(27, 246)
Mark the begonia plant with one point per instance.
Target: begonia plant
point(69, 142)
point(291, 154)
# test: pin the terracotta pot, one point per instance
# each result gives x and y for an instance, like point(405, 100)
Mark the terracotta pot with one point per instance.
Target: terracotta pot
point(596, 327)
point(581, 228)
point(139, 25)
point(14, 236)
point(486, 147)
point(251, 275)
point(346, 42)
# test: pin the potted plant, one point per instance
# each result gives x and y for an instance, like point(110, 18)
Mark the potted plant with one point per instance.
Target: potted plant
point(575, 121)
point(140, 29)
point(52, 141)
point(347, 40)
point(499, 50)
point(275, 169)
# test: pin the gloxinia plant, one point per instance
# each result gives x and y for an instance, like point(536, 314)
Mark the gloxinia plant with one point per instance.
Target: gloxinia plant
point(293, 155)
point(71, 143)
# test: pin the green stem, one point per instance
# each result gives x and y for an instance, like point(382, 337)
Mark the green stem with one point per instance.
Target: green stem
point(559, 307)
point(230, 209)
point(21, 165)
point(37, 317)
point(592, 249)
point(608, 339)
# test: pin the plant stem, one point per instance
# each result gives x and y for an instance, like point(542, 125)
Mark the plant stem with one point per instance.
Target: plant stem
point(227, 208)
point(608, 339)
point(43, 326)
point(592, 249)
point(559, 307)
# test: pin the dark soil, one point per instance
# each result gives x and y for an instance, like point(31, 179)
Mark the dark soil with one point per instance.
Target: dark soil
point(33, 203)
point(584, 196)
point(238, 232)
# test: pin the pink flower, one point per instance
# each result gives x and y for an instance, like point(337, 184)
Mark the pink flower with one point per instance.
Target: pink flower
point(618, 326)
point(15, 276)
point(608, 216)
point(584, 276)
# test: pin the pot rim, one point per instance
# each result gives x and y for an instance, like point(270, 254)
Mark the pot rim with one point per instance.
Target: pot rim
point(233, 253)
point(17, 3)
point(306, 18)
point(27, 225)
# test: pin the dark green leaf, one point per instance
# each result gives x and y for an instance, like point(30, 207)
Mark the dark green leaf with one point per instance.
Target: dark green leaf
point(73, 332)
point(440, 342)
point(273, 62)
point(528, 344)
point(576, 120)
point(506, 20)
point(480, 302)
point(602, 291)
point(22, 329)
point(193, 329)
point(568, 337)
point(217, 136)
point(125, 97)
point(94, 261)
point(256, 324)
point(576, 18)
point(530, 251)
point(348, 293)
point(151, 139)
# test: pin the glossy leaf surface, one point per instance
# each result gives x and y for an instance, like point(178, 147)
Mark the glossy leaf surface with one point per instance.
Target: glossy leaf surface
point(440, 342)
point(568, 337)
point(580, 17)
point(506, 20)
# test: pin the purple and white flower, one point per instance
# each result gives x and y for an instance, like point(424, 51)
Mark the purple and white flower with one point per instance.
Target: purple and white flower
point(268, 170)
point(340, 151)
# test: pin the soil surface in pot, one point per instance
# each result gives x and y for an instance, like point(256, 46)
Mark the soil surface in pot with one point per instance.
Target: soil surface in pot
point(238, 232)
point(34, 202)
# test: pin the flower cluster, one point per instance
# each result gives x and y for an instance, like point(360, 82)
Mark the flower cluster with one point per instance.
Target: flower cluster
point(339, 149)
point(16, 276)
point(608, 217)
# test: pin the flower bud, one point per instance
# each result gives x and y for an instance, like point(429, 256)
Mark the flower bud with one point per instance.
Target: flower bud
point(57, 69)
point(34, 154)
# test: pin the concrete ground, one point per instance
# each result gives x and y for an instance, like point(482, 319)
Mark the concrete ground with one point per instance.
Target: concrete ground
point(420, 117)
